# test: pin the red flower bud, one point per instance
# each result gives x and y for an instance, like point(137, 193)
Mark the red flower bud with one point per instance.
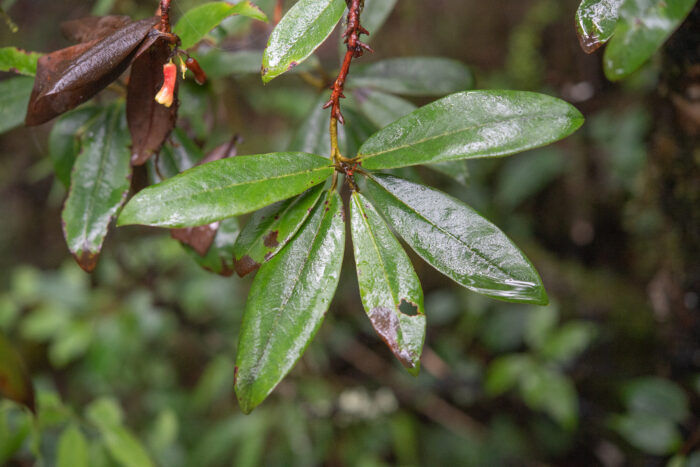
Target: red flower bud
point(165, 95)
point(199, 76)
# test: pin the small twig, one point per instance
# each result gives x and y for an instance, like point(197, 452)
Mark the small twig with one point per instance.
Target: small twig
point(165, 16)
point(355, 49)
point(279, 9)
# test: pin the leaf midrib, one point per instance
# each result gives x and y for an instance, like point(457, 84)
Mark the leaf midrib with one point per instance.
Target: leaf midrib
point(451, 133)
point(449, 234)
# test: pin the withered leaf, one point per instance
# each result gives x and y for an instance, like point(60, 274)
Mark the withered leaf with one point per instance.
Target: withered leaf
point(68, 77)
point(92, 28)
point(150, 123)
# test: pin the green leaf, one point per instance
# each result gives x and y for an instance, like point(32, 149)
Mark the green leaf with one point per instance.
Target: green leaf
point(414, 76)
point(390, 290)
point(568, 342)
point(19, 61)
point(643, 27)
point(657, 396)
point(596, 21)
point(301, 31)
point(471, 124)
point(225, 188)
point(648, 433)
point(99, 185)
point(504, 373)
point(72, 448)
point(270, 229)
point(381, 108)
point(456, 240)
point(181, 154)
point(552, 392)
point(197, 22)
point(456, 170)
point(219, 63)
point(14, 99)
point(124, 447)
point(14, 379)
point(219, 257)
point(65, 140)
point(287, 303)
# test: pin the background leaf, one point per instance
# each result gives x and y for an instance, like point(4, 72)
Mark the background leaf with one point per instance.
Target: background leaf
point(270, 229)
point(14, 97)
point(596, 21)
point(99, 185)
point(414, 76)
point(72, 448)
point(305, 26)
point(219, 257)
point(197, 22)
point(19, 61)
point(471, 124)
point(287, 303)
point(225, 188)
point(643, 27)
point(14, 380)
point(390, 290)
point(456, 240)
point(65, 140)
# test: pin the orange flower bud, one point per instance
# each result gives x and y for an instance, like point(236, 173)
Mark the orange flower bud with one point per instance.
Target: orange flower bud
point(165, 95)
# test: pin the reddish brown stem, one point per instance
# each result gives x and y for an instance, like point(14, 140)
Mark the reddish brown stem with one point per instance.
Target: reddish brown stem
point(355, 49)
point(279, 9)
point(165, 16)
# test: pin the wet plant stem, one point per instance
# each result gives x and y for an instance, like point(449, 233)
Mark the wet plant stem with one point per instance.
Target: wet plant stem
point(165, 16)
point(355, 49)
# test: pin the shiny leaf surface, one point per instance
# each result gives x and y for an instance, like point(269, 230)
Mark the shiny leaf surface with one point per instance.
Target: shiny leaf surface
point(305, 26)
point(287, 303)
point(381, 108)
point(643, 27)
point(64, 140)
point(414, 76)
point(456, 240)
point(19, 61)
point(596, 21)
point(72, 448)
point(197, 22)
point(99, 185)
point(68, 77)
point(389, 286)
point(14, 96)
point(150, 123)
point(14, 379)
point(91, 28)
point(471, 124)
point(270, 229)
point(226, 188)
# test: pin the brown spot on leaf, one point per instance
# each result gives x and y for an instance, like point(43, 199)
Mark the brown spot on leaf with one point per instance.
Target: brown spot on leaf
point(199, 238)
point(589, 44)
point(270, 239)
point(245, 266)
point(235, 374)
point(386, 323)
point(292, 65)
point(87, 260)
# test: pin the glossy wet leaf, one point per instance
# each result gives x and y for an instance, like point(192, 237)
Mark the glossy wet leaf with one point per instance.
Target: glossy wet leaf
point(226, 188)
point(456, 240)
point(471, 124)
point(72, 448)
point(414, 76)
point(150, 123)
point(287, 303)
point(14, 96)
point(99, 185)
point(596, 21)
point(270, 229)
point(15, 383)
point(65, 140)
point(19, 61)
point(92, 28)
point(219, 257)
point(197, 22)
point(305, 27)
point(390, 290)
point(643, 27)
point(68, 77)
